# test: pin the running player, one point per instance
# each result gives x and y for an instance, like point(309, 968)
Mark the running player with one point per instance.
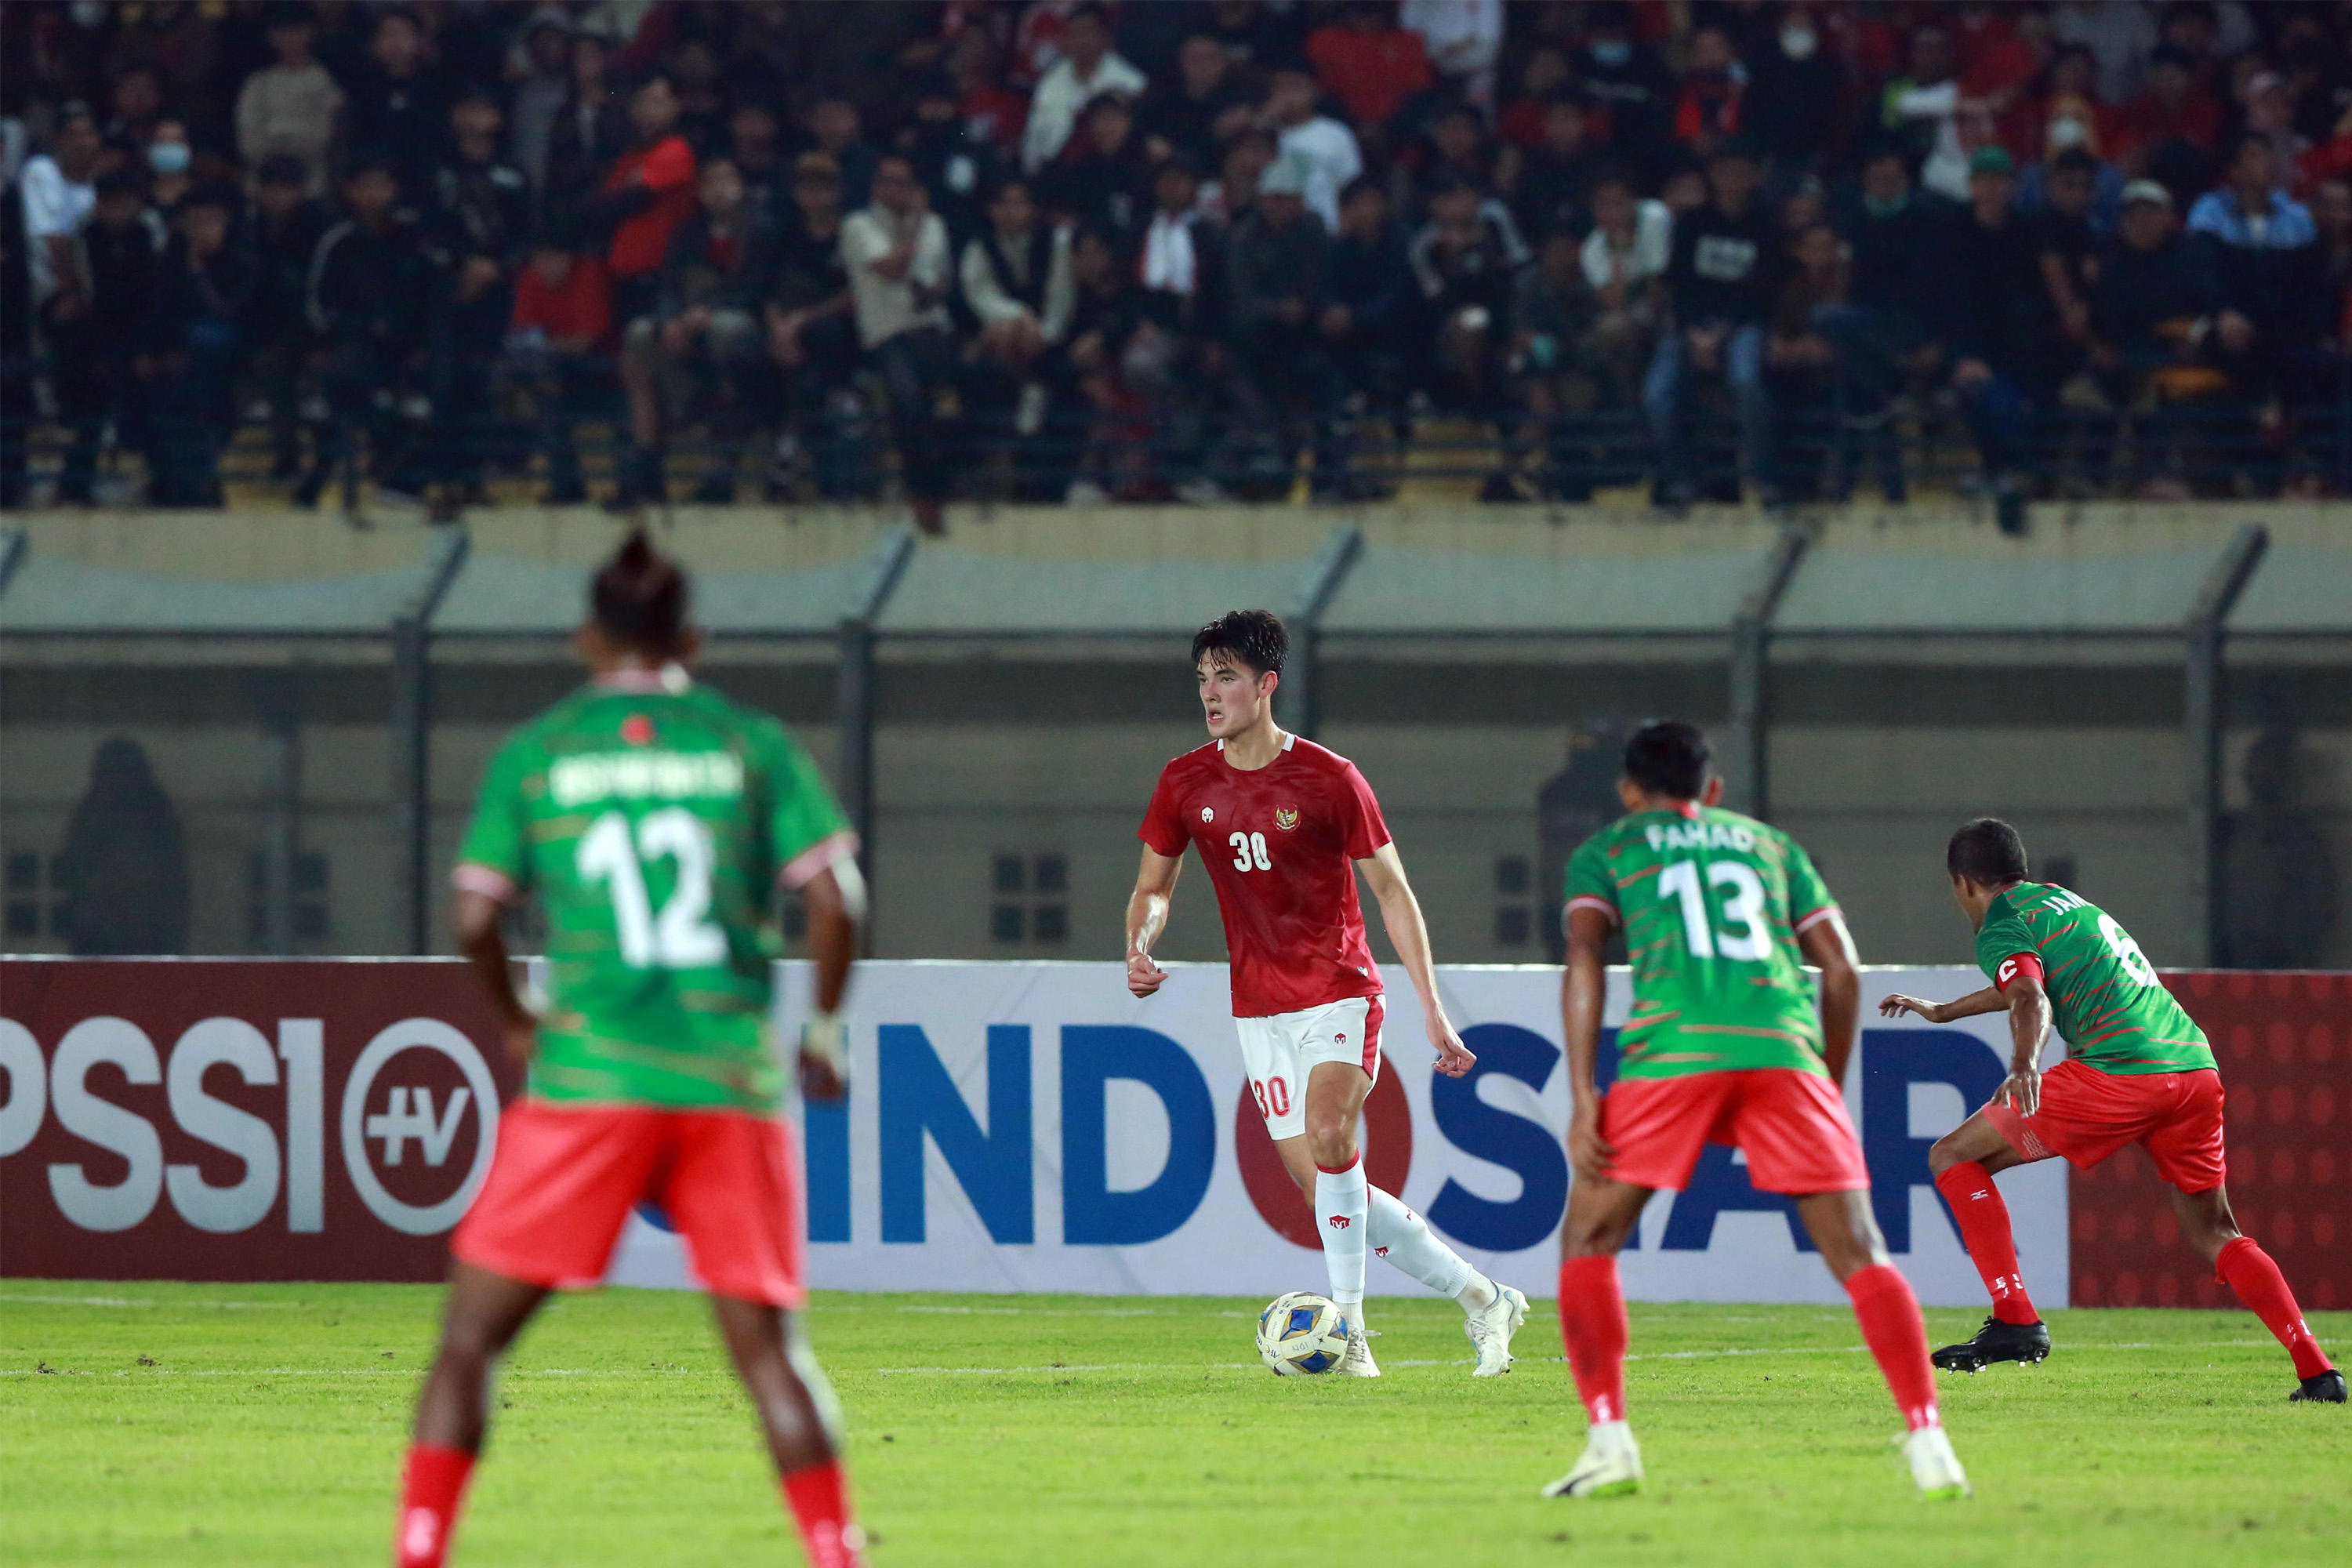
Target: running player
point(1723, 1045)
point(1283, 826)
point(2138, 1070)
point(653, 820)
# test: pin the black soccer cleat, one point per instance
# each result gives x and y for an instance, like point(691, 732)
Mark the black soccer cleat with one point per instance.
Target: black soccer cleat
point(2327, 1388)
point(1997, 1341)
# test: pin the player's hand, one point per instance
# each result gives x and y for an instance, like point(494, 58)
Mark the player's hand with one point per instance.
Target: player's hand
point(1454, 1058)
point(2021, 1088)
point(825, 1060)
point(1588, 1150)
point(1144, 976)
point(1894, 1006)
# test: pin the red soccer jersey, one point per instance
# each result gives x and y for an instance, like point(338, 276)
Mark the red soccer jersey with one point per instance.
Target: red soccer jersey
point(1281, 845)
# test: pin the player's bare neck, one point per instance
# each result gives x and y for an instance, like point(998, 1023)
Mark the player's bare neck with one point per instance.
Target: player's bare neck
point(1255, 747)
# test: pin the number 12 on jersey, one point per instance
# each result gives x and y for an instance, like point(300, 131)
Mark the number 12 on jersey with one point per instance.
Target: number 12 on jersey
point(679, 935)
point(1744, 937)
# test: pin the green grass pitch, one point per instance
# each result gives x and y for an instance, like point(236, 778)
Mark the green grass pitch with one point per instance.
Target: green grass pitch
point(263, 1425)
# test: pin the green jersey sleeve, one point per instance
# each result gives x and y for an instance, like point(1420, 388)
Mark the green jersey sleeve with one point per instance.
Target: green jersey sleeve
point(1808, 894)
point(1591, 883)
point(802, 816)
point(495, 857)
point(2002, 936)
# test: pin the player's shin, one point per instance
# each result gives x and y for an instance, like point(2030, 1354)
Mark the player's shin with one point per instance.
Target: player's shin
point(1983, 1219)
point(432, 1489)
point(1342, 1198)
point(1592, 1324)
point(1898, 1337)
point(1404, 1239)
point(2246, 1269)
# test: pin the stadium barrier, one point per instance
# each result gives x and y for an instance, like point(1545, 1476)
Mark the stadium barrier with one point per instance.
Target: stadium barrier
point(1031, 1127)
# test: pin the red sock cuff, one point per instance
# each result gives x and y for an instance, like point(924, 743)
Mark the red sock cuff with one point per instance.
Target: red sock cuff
point(1342, 1170)
point(2237, 1246)
point(819, 1496)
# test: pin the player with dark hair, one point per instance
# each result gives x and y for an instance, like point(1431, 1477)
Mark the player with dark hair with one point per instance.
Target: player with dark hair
point(654, 820)
point(1283, 826)
point(1725, 1044)
point(2137, 1071)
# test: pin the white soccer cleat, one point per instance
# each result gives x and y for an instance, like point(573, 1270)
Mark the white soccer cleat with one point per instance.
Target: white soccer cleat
point(1934, 1464)
point(1358, 1362)
point(1490, 1330)
point(1611, 1466)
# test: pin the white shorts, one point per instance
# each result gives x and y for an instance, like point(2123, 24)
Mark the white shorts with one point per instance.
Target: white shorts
point(1280, 1049)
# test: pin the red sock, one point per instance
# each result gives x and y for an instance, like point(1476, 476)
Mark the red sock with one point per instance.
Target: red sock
point(1984, 1231)
point(431, 1489)
point(1592, 1322)
point(820, 1500)
point(2248, 1270)
point(1897, 1337)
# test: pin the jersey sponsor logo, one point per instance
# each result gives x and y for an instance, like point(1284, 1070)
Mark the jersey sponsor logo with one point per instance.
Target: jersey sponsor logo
point(1337, 1222)
point(1286, 817)
point(591, 777)
point(637, 730)
point(1701, 835)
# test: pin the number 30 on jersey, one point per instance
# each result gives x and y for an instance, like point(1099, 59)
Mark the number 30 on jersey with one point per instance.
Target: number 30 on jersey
point(1249, 852)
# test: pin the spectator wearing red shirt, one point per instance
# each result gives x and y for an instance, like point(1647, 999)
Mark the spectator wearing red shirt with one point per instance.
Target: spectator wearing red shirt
point(1709, 109)
point(562, 337)
point(1369, 64)
point(649, 189)
point(2170, 114)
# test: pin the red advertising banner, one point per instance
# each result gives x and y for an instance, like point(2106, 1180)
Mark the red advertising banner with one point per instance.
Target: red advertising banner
point(239, 1120)
point(2284, 1045)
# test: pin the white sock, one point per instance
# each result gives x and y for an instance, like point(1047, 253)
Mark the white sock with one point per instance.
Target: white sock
point(1404, 1238)
point(1610, 1437)
point(1339, 1215)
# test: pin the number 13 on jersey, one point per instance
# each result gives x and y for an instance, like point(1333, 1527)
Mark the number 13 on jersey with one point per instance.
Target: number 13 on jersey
point(1745, 935)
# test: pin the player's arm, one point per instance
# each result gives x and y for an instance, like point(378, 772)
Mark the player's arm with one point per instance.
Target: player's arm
point(1582, 990)
point(2028, 1026)
point(478, 919)
point(1147, 917)
point(834, 901)
point(1384, 872)
point(1829, 947)
point(1974, 1004)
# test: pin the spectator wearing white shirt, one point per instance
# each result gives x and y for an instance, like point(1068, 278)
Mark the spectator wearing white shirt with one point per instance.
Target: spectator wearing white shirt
point(1016, 279)
point(1623, 258)
point(1463, 39)
point(1326, 148)
point(288, 110)
point(1088, 68)
point(895, 252)
point(59, 190)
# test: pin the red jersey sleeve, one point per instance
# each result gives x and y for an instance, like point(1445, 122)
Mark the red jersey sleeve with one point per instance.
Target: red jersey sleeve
point(669, 164)
point(2015, 965)
point(1163, 825)
point(1366, 831)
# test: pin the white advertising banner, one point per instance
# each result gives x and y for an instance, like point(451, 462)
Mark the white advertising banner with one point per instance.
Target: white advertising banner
point(1031, 1127)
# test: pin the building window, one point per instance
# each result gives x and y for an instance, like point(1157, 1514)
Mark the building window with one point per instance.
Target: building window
point(1514, 912)
point(310, 915)
point(34, 904)
point(1029, 899)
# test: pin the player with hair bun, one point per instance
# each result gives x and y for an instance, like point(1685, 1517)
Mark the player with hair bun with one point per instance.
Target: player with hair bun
point(653, 821)
point(1284, 828)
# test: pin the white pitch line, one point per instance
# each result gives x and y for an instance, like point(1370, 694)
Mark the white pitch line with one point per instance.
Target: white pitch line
point(132, 1301)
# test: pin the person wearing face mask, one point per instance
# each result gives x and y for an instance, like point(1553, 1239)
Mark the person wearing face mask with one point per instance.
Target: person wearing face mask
point(170, 160)
point(1630, 82)
point(1795, 90)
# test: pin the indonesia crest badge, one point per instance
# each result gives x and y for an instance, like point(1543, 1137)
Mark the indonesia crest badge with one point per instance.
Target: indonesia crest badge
point(1286, 817)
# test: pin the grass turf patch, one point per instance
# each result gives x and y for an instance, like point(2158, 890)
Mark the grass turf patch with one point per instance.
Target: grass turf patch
point(263, 1425)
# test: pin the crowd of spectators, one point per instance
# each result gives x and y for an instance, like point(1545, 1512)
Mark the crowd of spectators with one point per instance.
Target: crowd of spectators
point(1176, 249)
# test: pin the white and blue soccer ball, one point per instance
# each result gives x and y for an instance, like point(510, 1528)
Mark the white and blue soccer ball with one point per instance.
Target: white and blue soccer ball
point(1301, 1334)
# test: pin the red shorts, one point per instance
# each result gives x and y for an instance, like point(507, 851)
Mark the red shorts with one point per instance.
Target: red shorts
point(566, 1176)
point(1792, 1123)
point(2087, 1115)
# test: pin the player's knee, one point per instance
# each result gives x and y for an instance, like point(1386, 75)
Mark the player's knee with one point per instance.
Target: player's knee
point(1328, 1138)
point(1942, 1155)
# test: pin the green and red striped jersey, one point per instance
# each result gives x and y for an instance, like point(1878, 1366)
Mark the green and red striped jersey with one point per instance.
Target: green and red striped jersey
point(2108, 1005)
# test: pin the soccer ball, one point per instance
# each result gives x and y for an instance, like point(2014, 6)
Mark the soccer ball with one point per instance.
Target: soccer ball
point(1300, 1335)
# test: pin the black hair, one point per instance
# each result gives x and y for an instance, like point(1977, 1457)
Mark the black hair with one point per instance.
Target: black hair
point(1362, 186)
point(1092, 10)
point(1668, 757)
point(2075, 161)
point(1005, 187)
point(282, 169)
point(639, 598)
point(1253, 638)
point(118, 183)
point(365, 166)
point(1988, 852)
